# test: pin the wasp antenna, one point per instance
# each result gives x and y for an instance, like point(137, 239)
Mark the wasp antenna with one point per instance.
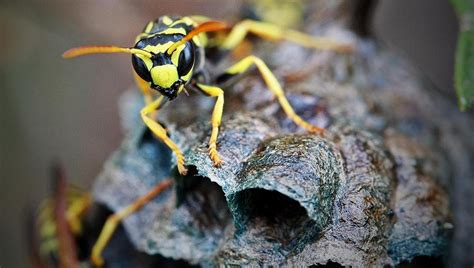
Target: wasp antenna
point(208, 26)
point(85, 50)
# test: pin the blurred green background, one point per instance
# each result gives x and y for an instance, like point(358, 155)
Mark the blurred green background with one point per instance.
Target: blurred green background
point(67, 110)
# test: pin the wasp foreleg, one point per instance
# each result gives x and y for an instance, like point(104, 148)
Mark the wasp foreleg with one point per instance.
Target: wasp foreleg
point(160, 132)
point(216, 119)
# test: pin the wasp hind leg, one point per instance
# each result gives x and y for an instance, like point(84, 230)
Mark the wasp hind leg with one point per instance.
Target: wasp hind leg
point(274, 32)
point(216, 119)
point(273, 85)
point(160, 132)
point(114, 220)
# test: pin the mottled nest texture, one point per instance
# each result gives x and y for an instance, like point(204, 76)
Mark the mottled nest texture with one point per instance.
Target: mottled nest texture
point(371, 191)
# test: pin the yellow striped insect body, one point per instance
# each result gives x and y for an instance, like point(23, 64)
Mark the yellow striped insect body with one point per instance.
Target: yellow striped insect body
point(170, 52)
point(52, 223)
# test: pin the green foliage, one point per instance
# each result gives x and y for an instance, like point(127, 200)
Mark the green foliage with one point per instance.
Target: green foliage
point(464, 69)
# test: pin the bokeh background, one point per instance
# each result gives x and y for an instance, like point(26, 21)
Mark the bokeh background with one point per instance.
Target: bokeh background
point(57, 110)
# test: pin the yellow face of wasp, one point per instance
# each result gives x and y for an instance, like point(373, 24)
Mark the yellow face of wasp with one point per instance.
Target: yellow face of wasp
point(164, 75)
point(167, 73)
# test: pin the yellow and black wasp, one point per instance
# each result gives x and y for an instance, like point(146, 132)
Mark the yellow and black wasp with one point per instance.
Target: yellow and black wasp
point(170, 53)
point(59, 237)
point(59, 223)
point(168, 57)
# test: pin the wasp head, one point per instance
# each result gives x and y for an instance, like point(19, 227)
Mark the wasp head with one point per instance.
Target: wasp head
point(168, 69)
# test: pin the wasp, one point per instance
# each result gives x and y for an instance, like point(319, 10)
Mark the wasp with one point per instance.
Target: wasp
point(59, 223)
point(169, 58)
point(169, 55)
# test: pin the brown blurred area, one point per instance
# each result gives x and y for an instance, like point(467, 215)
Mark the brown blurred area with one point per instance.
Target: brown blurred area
point(52, 109)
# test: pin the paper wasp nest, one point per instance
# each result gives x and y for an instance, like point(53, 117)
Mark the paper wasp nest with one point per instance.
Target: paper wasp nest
point(370, 192)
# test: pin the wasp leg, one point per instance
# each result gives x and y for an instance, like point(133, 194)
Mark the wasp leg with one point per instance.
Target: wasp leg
point(160, 132)
point(113, 220)
point(216, 119)
point(274, 32)
point(274, 86)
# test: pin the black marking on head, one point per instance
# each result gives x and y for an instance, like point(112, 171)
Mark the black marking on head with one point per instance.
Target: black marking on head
point(161, 59)
point(158, 39)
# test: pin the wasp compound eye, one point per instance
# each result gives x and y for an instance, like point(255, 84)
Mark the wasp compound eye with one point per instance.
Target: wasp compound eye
point(186, 59)
point(140, 68)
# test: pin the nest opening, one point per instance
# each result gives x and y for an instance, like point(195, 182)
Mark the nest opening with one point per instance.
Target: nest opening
point(280, 217)
point(329, 264)
point(204, 199)
point(423, 261)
